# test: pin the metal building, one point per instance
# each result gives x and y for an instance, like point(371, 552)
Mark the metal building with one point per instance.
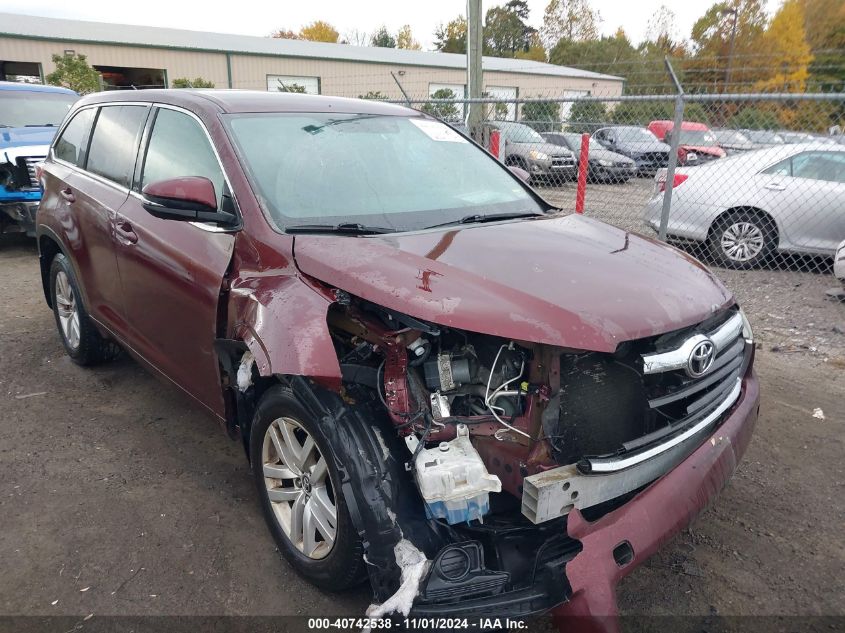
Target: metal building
point(143, 57)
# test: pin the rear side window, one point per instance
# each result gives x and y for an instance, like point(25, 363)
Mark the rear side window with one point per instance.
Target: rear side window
point(114, 144)
point(74, 139)
point(179, 147)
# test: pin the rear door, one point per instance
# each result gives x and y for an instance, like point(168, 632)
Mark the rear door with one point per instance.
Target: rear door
point(806, 194)
point(171, 272)
point(93, 188)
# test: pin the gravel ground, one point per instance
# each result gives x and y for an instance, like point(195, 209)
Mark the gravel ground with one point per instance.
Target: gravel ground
point(119, 497)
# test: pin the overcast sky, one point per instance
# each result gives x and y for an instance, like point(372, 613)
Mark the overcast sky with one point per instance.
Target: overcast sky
point(259, 17)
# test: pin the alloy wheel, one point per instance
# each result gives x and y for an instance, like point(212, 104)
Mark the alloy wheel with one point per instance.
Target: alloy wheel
point(742, 241)
point(299, 487)
point(68, 310)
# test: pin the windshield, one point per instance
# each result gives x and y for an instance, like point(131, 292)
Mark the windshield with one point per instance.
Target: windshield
point(22, 108)
point(762, 136)
point(396, 172)
point(574, 142)
point(731, 137)
point(633, 135)
point(518, 133)
point(697, 137)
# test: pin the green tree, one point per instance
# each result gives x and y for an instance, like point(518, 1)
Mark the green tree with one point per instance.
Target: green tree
point(285, 34)
point(587, 116)
point(543, 116)
point(72, 71)
point(536, 52)
point(290, 87)
point(755, 118)
point(506, 30)
point(405, 39)
point(184, 82)
point(452, 38)
point(573, 20)
point(641, 112)
point(711, 45)
point(383, 39)
point(444, 111)
point(374, 95)
point(824, 23)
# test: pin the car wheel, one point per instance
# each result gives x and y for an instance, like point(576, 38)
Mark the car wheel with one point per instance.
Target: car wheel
point(299, 487)
point(743, 240)
point(80, 337)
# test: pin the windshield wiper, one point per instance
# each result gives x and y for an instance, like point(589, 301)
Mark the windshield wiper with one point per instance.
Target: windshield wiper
point(478, 218)
point(346, 228)
point(40, 125)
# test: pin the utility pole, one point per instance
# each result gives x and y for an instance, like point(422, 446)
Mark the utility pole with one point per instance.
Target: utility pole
point(735, 13)
point(474, 71)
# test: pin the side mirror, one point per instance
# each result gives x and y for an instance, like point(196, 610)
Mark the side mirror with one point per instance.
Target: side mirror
point(520, 173)
point(190, 199)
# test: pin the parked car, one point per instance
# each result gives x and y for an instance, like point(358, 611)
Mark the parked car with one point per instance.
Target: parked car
point(733, 141)
point(406, 340)
point(525, 148)
point(696, 143)
point(638, 144)
point(764, 137)
point(29, 116)
point(804, 137)
point(780, 199)
point(603, 165)
point(839, 264)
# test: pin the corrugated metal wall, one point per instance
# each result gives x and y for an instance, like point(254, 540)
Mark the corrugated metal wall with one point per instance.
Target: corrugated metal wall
point(340, 78)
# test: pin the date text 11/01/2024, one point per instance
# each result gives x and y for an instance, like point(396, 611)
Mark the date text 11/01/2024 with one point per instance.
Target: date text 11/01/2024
point(358, 624)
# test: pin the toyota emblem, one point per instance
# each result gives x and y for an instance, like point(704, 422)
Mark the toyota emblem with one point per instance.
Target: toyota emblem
point(701, 359)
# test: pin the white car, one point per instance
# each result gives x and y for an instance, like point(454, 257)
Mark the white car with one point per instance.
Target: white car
point(839, 264)
point(787, 198)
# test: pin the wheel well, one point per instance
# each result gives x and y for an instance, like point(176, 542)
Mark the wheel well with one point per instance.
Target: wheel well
point(519, 161)
point(751, 210)
point(48, 248)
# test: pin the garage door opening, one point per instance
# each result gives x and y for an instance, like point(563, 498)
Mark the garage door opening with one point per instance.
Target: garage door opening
point(124, 78)
point(26, 72)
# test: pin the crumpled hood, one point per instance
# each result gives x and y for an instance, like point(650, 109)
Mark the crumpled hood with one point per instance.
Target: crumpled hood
point(21, 136)
point(568, 281)
point(713, 150)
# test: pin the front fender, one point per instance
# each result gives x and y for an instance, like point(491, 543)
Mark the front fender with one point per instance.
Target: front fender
point(282, 319)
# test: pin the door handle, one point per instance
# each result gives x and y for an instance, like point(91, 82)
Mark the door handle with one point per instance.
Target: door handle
point(67, 194)
point(775, 186)
point(125, 232)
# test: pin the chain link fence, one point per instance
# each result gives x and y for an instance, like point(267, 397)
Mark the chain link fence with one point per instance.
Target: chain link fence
point(751, 184)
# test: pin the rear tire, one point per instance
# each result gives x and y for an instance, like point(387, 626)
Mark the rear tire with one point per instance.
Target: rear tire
point(743, 239)
point(80, 337)
point(293, 463)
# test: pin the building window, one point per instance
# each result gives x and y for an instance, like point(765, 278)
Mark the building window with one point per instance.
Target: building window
point(506, 109)
point(290, 83)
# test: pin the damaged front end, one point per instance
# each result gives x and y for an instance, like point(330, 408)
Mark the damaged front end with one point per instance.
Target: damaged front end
point(491, 458)
point(20, 191)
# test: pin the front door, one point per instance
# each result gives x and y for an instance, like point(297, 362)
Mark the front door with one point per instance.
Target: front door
point(172, 271)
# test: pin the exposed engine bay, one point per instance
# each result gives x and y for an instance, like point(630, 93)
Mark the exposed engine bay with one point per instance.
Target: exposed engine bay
point(490, 422)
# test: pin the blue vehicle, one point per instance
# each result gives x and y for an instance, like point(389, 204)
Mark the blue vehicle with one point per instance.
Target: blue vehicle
point(30, 115)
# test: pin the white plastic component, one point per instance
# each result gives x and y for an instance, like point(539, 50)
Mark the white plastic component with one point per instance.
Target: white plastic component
point(453, 480)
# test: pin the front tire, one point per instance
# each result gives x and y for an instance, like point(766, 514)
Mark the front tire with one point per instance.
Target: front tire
point(743, 240)
point(80, 337)
point(299, 487)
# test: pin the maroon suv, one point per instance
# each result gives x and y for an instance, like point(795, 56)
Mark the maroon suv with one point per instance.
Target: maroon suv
point(441, 382)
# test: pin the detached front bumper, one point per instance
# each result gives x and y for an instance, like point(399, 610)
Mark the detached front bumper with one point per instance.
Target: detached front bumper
point(650, 519)
point(576, 576)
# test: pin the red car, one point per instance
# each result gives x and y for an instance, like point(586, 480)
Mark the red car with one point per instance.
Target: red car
point(441, 382)
point(696, 145)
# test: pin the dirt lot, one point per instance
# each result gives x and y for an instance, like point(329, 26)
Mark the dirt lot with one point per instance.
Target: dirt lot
point(118, 496)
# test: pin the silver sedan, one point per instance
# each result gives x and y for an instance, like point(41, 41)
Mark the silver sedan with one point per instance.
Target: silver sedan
point(788, 198)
